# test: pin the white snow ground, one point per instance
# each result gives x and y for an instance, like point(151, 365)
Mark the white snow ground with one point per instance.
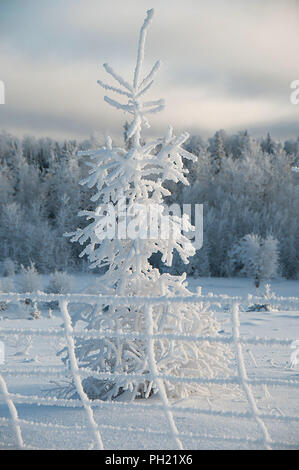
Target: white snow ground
point(121, 426)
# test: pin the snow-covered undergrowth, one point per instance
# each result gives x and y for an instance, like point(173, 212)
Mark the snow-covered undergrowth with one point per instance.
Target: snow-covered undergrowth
point(261, 415)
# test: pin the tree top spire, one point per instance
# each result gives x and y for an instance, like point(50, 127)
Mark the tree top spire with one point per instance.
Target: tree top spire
point(138, 88)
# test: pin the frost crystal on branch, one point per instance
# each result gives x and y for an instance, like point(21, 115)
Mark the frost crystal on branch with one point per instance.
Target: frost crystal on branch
point(133, 182)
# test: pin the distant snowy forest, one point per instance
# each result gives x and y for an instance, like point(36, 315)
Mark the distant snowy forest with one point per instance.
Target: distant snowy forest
point(247, 187)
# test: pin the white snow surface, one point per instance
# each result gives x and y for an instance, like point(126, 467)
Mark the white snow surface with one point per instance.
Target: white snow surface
point(258, 416)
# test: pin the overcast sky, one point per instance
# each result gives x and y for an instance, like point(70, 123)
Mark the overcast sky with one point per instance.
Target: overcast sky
point(226, 64)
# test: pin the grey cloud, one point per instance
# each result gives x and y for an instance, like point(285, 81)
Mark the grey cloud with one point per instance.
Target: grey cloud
point(41, 123)
point(227, 49)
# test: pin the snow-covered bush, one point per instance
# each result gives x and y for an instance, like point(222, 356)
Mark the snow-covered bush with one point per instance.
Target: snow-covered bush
point(268, 293)
point(9, 267)
point(60, 282)
point(257, 257)
point(29, 279)
point(137, 177)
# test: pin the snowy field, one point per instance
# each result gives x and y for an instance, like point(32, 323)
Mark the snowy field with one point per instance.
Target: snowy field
point(219, 420)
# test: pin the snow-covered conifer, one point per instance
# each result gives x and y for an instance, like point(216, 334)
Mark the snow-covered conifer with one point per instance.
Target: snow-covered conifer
point(268, 145)
point(217, 150)
point(129, 186)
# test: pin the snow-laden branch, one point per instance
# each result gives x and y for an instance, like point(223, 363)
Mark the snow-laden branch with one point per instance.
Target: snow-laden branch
point(140, 53)
point(150, 76)
point(144, 90)
point(112, 88)
point(118, 77)
point(124, 107)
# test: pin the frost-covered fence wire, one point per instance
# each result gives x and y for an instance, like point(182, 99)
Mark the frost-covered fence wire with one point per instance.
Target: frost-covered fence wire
point(13, 413)
point(78, 373)
point(69, 333)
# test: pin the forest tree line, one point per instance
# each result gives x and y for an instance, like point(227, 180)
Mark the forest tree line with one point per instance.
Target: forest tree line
point(246, 185)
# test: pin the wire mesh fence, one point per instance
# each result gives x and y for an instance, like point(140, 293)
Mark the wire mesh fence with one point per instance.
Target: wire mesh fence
point(180, 439)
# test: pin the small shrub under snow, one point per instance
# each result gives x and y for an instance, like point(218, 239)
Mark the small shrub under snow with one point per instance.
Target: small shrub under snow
point(9, 267)
point(60, 283)
point(29, 279)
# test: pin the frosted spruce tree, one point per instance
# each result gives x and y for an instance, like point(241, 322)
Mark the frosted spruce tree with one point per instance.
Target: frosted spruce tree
point(129, 192)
